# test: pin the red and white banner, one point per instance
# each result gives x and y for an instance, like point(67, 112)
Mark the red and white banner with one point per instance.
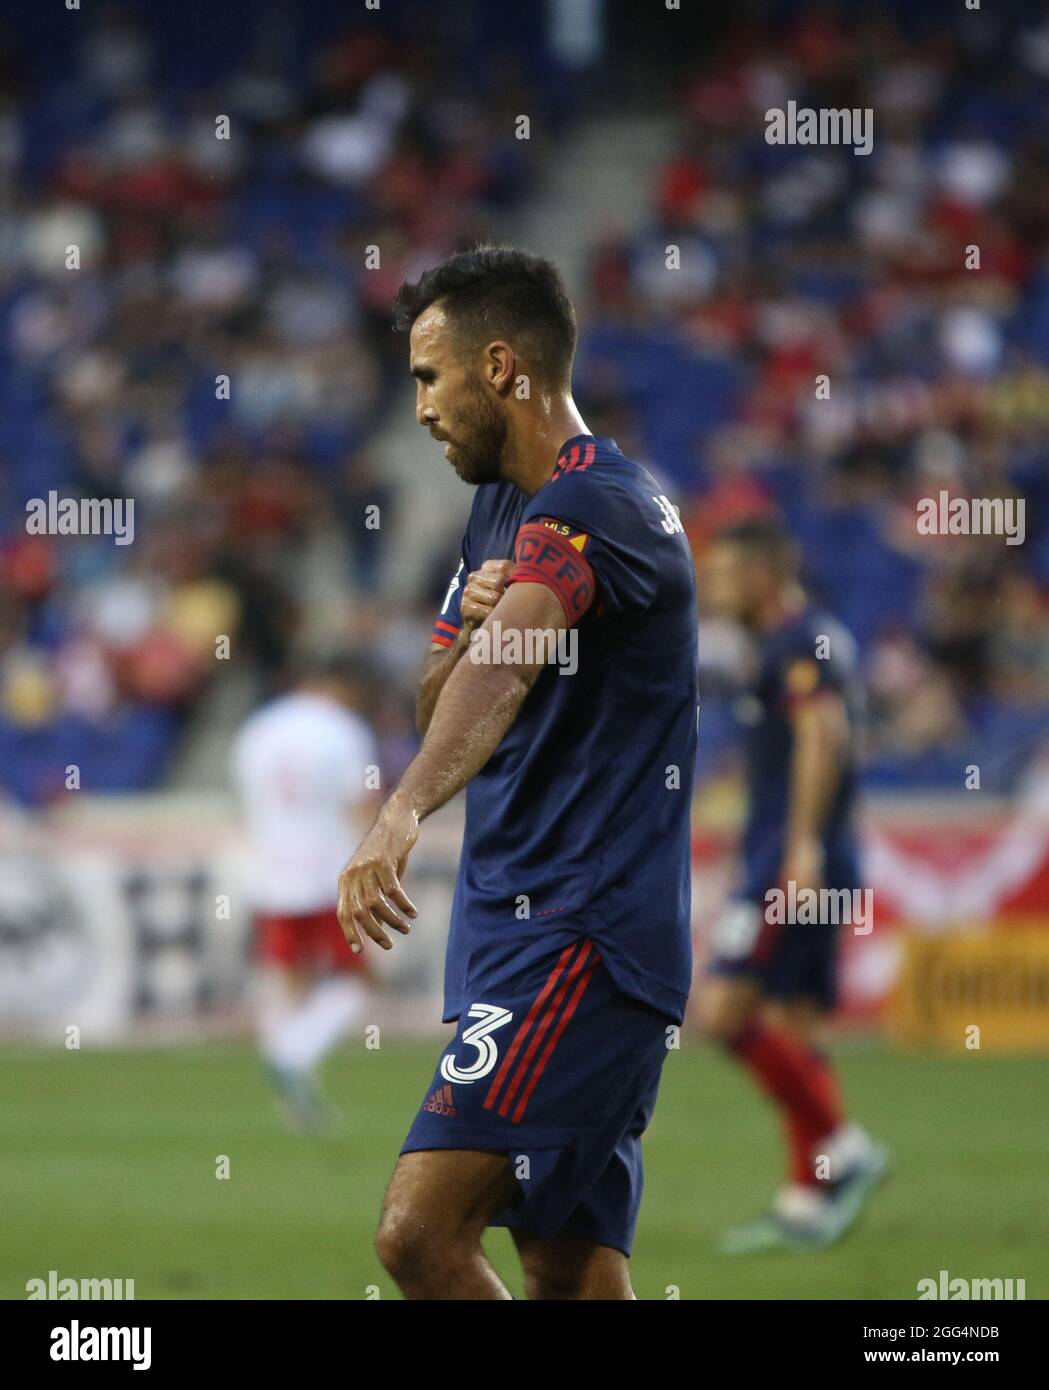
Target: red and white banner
point(934, 868)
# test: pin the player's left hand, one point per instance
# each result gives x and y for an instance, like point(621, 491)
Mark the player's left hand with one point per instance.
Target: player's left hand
point(370, 892)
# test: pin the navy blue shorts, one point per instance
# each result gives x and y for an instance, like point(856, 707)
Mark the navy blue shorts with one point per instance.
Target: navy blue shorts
point(794, 960)
point(559, 1070)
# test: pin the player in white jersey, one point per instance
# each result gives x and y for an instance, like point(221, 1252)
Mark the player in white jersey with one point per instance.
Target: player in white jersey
point(303, 765)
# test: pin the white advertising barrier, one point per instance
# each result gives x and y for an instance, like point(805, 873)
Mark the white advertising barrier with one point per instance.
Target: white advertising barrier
point(125, 917)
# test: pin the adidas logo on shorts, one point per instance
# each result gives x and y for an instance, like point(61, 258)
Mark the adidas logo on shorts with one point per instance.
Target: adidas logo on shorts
point(440, 1103)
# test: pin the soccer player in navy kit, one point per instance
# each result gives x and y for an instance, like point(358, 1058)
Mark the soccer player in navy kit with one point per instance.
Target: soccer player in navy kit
point(569, 956)
point(772, 982)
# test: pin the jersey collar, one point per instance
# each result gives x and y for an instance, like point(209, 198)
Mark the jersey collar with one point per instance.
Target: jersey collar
point(579, 453)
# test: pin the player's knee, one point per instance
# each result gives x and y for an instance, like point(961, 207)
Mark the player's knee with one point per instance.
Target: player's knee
point(403, 1245)
point(413, 1248)
point(802, 1021)
point(723, 1013)
point(540, 1289)
point(567, 1270)
point(545, 1281)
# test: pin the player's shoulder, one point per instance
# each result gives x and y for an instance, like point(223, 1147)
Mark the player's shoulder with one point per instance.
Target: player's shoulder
point(331, 719)
point(596, 461)
point(304, 712)
point(828, 637)
point(261, 718)
point(593, 481)
point(256, 731)
point(813, 649)
point(354, 726)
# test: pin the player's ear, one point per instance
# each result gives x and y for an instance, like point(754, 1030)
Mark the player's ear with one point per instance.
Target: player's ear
point(499, 365)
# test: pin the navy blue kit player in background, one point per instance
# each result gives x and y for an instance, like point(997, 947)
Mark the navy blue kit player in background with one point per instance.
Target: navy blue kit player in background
point(772, 983)
point(561, 692)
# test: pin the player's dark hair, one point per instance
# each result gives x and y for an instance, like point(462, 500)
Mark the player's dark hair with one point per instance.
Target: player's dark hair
point(763, 539)
point(499, 292)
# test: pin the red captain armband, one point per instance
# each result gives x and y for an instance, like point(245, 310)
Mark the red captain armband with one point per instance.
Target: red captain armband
point(550, 552)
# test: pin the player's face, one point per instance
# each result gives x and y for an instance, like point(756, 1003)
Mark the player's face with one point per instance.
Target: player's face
point(452, 402)
point(731, 582)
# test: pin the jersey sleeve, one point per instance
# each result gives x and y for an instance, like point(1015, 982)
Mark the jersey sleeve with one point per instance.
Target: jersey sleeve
point(449, 620)
point(804, 673)
point(583, 537)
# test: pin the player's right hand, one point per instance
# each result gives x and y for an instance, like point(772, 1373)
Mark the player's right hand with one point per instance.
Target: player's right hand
point(370, 893)
point(484, 589)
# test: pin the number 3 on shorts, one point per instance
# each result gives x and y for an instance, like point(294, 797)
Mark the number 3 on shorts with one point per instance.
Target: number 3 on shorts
point(490, 1017)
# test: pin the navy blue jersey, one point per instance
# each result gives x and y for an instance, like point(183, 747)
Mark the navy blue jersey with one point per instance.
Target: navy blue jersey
point(579, 824)
point(490, 534)
point(810, 653)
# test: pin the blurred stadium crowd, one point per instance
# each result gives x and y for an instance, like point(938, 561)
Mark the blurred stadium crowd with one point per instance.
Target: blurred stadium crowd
point(203, 257)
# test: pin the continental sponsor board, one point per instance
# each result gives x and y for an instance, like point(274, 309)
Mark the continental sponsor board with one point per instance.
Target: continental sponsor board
point(996, 981)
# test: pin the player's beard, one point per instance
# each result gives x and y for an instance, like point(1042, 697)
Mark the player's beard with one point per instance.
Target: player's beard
point(477, 453)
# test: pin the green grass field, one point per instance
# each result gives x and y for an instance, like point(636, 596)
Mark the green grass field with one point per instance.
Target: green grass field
point(108, 1164)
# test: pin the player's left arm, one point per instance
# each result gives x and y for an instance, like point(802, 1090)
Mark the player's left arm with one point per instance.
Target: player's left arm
point(820, 725)
point(477, 705)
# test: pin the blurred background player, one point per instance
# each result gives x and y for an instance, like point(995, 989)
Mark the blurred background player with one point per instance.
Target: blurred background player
point(772, 984)
point(303, 765)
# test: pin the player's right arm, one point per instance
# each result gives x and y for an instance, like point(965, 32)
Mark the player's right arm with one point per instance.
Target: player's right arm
point(820, 725)
point(462, 612)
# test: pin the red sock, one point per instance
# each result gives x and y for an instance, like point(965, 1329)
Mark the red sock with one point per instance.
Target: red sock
point(802, 1083)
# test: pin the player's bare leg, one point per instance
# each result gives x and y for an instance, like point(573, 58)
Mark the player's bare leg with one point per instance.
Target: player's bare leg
point(567, 1268)
point(726, 1006)
point(280, 990)
point(802, 1017)
point(436, 1208)
point(300, 1018)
